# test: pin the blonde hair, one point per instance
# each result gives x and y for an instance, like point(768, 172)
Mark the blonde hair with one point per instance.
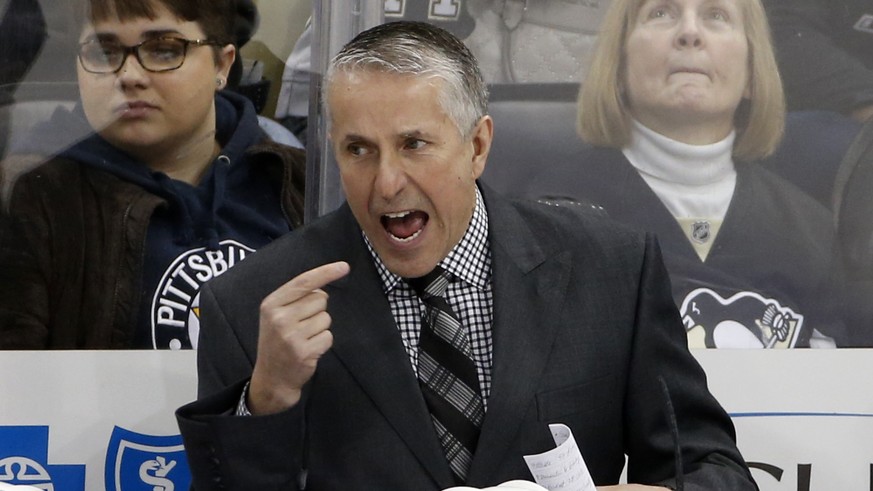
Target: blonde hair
point(603, 117)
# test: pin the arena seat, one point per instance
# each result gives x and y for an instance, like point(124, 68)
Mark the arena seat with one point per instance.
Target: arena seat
point(534, 129)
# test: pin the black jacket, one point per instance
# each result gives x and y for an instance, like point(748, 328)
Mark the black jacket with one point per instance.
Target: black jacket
point(584, 333)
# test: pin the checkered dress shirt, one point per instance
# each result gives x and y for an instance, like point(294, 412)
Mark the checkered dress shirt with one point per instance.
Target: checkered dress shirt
point(469, 294)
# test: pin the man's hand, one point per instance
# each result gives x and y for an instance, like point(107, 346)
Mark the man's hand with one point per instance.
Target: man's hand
point(294, 333)
point(630, 487)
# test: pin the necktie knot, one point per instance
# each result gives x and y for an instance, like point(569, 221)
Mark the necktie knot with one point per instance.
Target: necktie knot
point(433, 284)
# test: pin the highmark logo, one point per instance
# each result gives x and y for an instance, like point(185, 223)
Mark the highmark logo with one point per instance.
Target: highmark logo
point(24, 461)
point(138, 462)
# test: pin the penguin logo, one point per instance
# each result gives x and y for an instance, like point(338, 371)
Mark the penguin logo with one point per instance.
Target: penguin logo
point(745, 320)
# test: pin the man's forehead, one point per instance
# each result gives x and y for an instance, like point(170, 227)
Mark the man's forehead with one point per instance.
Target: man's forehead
point(366, 73)
point(357, 95)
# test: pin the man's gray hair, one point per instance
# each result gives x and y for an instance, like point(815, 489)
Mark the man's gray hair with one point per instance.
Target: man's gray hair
point(422, 50)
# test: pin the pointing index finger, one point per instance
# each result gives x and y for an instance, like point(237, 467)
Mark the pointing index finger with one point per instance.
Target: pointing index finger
point(308, 281)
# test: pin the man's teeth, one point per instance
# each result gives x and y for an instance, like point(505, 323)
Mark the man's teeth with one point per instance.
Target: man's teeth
point(399, 214)
point(407, 239)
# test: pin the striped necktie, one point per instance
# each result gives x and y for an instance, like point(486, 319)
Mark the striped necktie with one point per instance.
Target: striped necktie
point(447, 374)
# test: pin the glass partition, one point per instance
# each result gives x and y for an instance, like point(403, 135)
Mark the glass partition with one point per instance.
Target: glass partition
point(800, 214)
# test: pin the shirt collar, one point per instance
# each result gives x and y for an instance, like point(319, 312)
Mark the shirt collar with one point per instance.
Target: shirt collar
point(468, 260)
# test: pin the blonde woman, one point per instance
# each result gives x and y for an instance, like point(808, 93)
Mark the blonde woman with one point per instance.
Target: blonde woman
point(682, 98)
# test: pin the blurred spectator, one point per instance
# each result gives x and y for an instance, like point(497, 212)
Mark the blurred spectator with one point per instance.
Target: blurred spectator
point(825, 53)
point(853, 206)
point(292, 108)
point(245, 24)
point(22, 35)
point(810, 154)
point(514, 41)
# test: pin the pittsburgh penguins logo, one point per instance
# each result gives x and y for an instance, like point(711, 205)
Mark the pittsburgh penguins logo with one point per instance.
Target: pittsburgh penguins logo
point(175, 312)
point(745, 320)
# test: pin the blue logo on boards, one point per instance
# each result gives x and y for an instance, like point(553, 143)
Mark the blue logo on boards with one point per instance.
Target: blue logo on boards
point(24, 461)
point(137, 462)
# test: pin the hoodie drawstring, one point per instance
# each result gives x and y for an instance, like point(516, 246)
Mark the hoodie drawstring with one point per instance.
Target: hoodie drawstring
point(208, 227)
point(186, 227)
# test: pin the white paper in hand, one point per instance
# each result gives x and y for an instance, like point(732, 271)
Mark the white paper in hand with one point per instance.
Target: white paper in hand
point(563, 467)
point(507, 486)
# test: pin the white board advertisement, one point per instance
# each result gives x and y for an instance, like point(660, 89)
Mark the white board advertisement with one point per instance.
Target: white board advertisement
point(88, 420)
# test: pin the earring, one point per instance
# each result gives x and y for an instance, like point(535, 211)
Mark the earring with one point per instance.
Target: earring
point(219, 82)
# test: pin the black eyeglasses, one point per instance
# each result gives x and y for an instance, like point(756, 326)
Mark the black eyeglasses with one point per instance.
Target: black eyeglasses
point(155, 55)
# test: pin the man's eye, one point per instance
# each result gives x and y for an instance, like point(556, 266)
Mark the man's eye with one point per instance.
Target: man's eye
point(355, 149)
point(415, 144)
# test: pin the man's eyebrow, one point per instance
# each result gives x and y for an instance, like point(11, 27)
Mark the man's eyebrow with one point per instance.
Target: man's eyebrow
point(403, 135)
point(353, 137)
point(412, 134)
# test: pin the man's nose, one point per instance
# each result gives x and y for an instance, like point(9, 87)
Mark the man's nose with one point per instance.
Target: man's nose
point(391, 177)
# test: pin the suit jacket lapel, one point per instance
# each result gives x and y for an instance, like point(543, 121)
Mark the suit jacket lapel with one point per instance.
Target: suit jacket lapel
point(530, 286)
point(357, 302)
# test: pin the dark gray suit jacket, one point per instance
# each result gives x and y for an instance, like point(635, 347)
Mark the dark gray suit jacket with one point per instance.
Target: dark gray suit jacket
point(585, 333)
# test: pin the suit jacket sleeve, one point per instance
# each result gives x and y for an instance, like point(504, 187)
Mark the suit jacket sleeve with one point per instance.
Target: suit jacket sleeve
point(670, 410)
point(227, 451)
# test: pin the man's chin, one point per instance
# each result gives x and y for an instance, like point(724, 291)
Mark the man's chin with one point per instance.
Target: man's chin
point(408, 267)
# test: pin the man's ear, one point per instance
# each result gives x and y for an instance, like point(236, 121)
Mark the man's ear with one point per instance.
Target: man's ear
point(483, 134)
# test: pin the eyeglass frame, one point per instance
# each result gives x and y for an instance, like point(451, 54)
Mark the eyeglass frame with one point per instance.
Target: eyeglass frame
point(134, 50)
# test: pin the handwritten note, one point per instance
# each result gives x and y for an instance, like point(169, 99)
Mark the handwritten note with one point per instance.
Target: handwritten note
point(515, 485)
point(563, 467)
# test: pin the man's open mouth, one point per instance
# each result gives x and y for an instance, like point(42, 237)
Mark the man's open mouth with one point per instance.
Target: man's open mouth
point(404, 226)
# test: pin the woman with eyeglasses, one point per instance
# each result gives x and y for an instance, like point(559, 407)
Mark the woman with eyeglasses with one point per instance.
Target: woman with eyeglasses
point(107, 243)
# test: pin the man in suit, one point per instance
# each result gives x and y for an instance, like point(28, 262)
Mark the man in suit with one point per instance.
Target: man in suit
point(324, 381)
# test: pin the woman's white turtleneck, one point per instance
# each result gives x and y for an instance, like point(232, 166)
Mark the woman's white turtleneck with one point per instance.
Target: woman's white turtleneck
point(691, 180)
point(695, 182)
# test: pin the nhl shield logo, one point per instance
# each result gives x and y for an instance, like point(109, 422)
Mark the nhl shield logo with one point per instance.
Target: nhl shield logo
point(137, 462)
point(700, 232)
